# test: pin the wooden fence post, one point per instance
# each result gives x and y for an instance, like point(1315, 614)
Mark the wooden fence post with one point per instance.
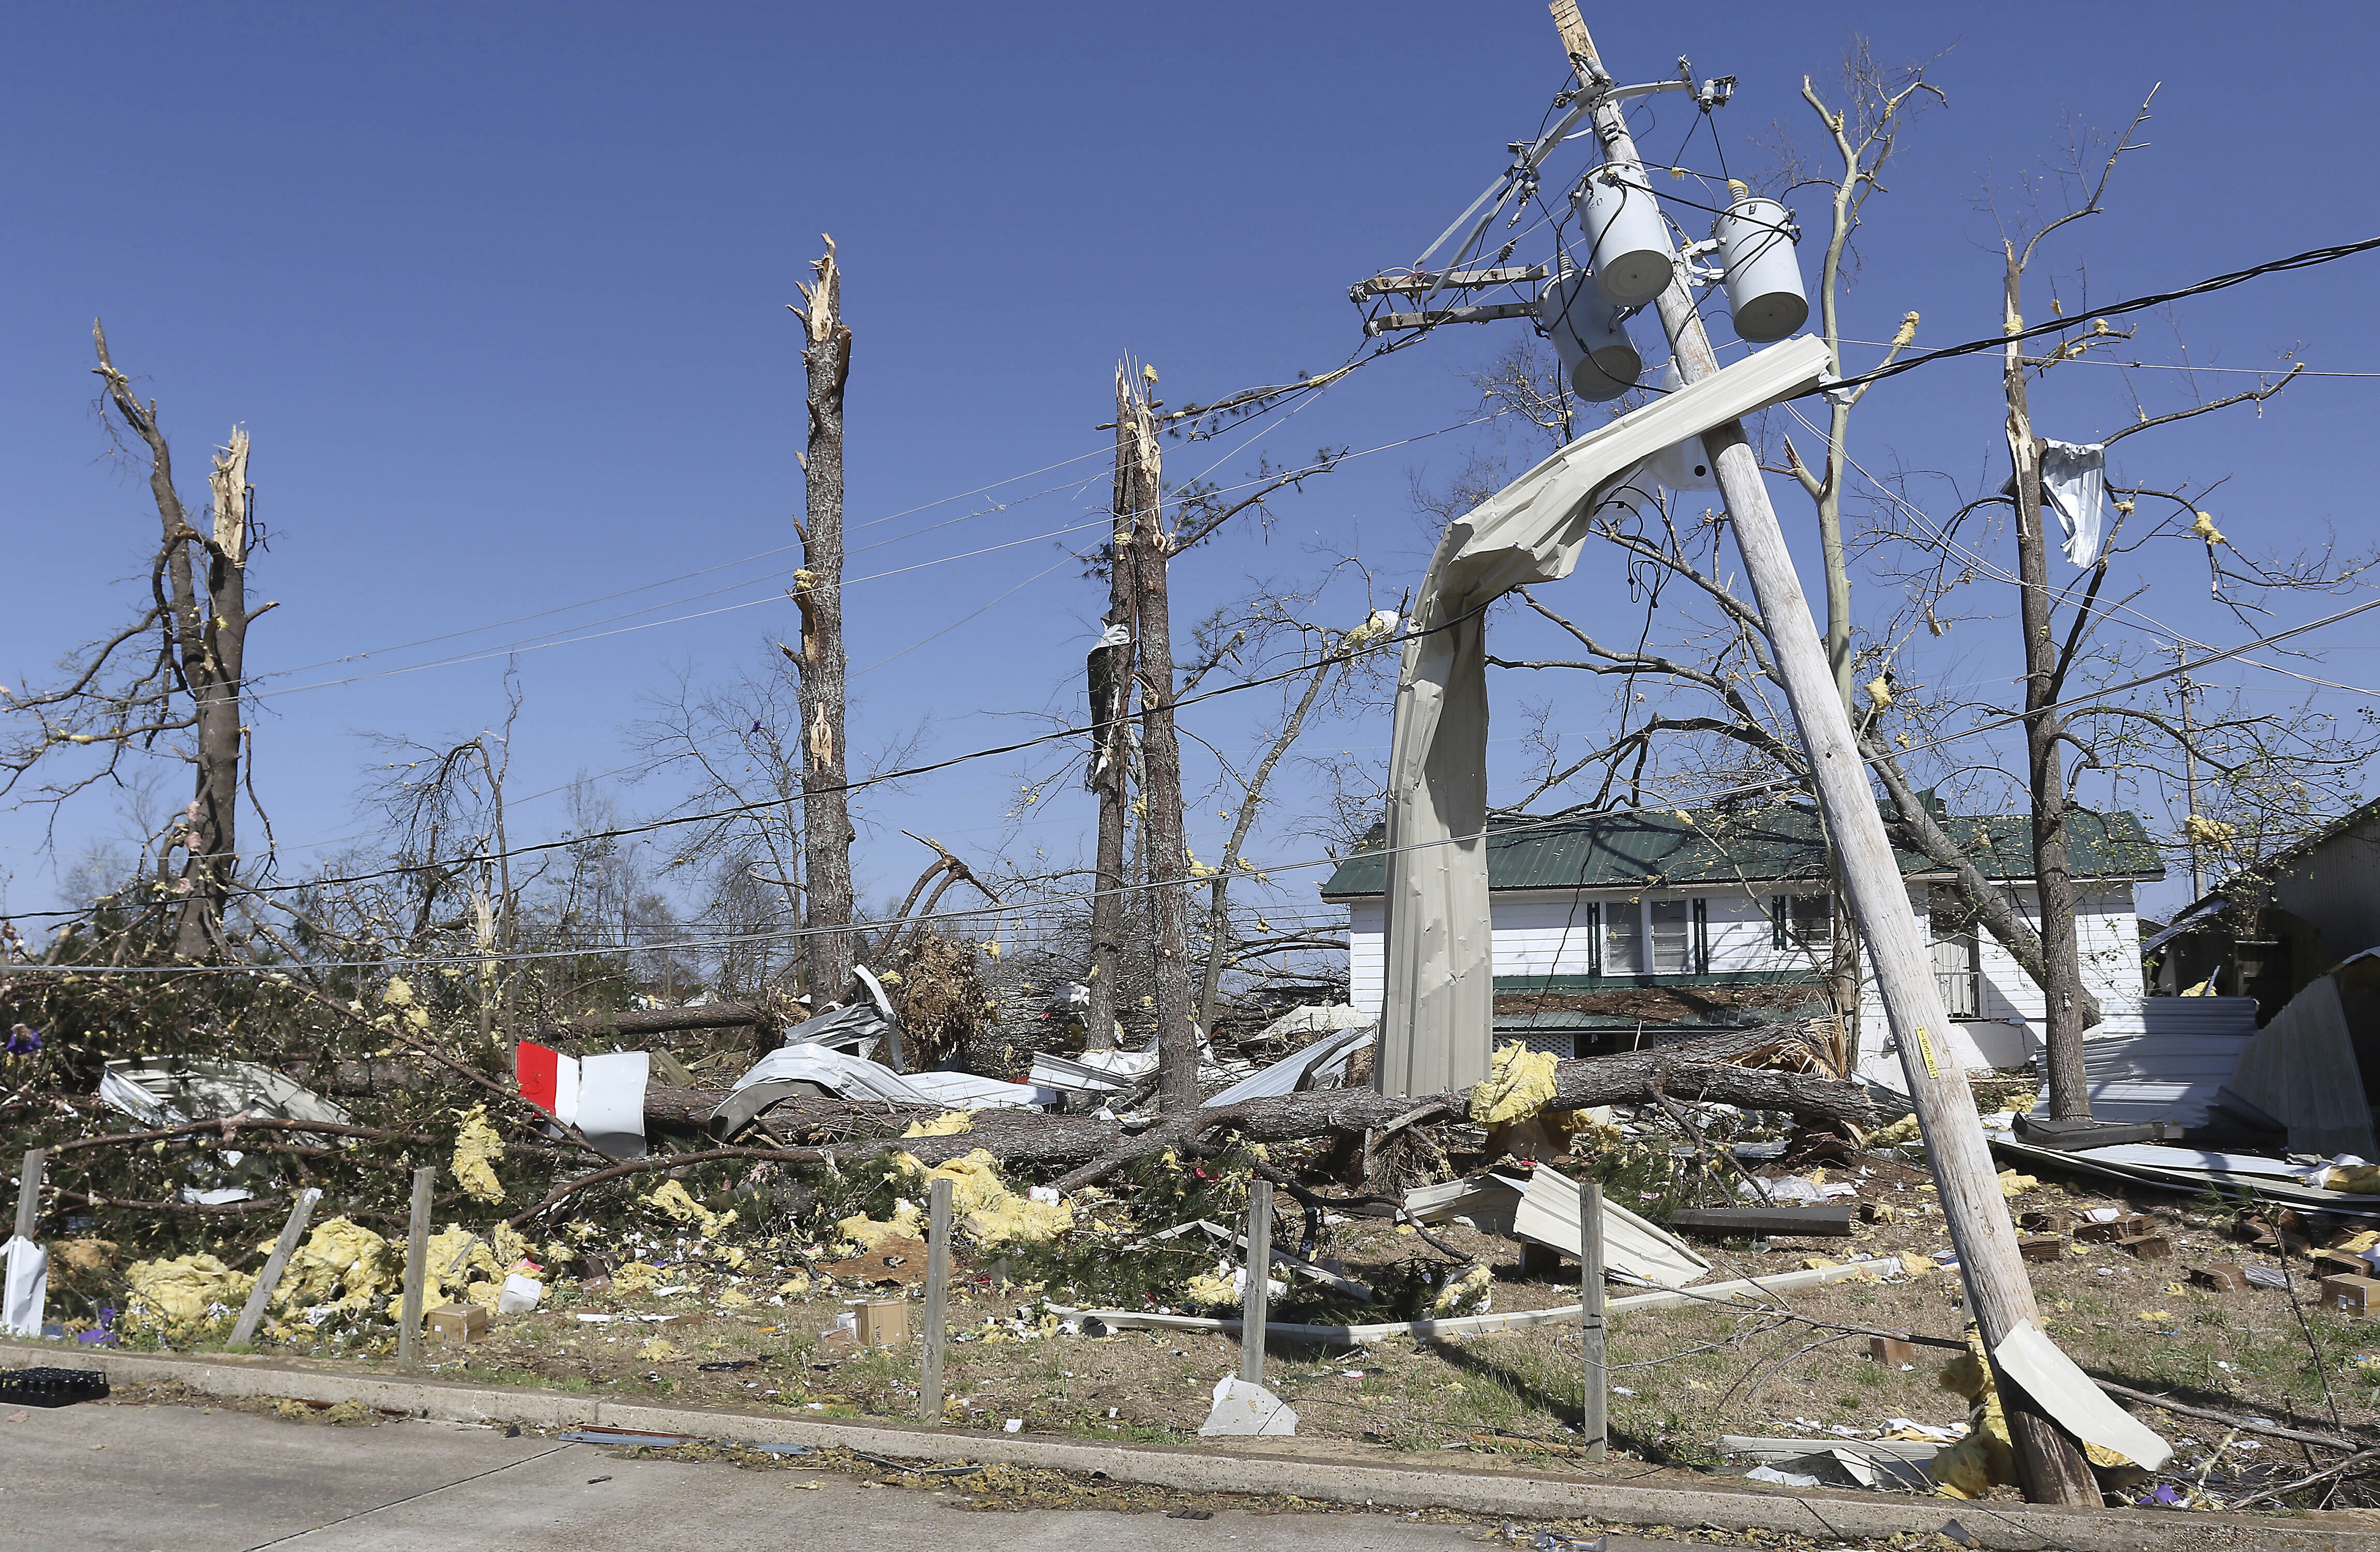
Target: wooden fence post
point(270, 1279)
point(416, 1265)
point(1593, 1425)
point(1253, 1301)
point(938, 1303)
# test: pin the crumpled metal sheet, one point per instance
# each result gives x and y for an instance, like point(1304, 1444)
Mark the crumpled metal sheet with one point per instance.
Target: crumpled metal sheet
point(1437, 1021)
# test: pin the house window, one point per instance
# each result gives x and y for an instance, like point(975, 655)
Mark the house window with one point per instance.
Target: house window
point(1958, 953)
point(1624, 938)
point(1673, 939)
point(1656, 938)
point(1804, 922)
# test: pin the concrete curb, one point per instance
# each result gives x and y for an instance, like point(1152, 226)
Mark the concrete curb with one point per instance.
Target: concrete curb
point(1836, 1515)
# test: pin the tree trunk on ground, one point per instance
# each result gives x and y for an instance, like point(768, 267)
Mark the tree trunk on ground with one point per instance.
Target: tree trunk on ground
point(818, 592)
point(2061, 986)
point(1698, 1070)
point(1162, 833)
point(663, 1021)
point(1111, 665)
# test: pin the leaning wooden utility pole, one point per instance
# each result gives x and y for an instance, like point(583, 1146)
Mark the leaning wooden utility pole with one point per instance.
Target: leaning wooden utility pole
point(818, 592)
point(1161, 835)
point(1998, 1293)
point(1110, 672)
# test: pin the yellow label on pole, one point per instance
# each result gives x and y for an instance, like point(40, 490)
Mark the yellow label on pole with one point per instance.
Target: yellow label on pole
point(1926, 1053)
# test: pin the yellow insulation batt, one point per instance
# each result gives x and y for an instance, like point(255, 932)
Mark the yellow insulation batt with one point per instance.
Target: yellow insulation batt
point(672, 1200)
point(990, 1213)
point(1518, 1085)
point(476, 1277)
point(950, 1123)
point(181, 1294)
point(1467, 1295)
point(1973, 1466)
point(477, 1149)
point(637, 1276)
point(340, 1265)
point(867, 1233)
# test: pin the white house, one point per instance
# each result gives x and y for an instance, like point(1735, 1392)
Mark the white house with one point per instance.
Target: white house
point(1616, 930)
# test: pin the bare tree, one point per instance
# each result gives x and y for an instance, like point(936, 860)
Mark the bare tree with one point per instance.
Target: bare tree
point(1323, 652)
point(176, 672)
point(2049, 658)
point(817, 593)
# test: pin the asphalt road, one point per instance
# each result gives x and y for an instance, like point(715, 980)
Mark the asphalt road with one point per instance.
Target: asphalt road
point(181, 1479)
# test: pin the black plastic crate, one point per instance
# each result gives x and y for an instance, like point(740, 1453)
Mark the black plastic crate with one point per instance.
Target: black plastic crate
point(51, 1387)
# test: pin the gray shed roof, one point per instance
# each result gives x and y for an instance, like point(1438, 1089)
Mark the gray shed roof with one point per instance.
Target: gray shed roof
point(1779, 842)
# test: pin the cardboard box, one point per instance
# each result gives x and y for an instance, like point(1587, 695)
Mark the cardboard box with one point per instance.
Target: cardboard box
point(1891, 1349)
point(2358, 1296)
point(2046, 1220)
point(2223, 1280)
point(2149, 1247)
point(458, 1323)
point(2041, 1247)
point(884, 1324)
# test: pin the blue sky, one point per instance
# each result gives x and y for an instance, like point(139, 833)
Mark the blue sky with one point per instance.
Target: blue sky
point(500, 294)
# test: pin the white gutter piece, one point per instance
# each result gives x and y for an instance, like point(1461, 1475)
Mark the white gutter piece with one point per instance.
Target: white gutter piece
point(1479, 1325)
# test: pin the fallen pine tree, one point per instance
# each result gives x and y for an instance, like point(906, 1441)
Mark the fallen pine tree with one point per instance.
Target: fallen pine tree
point(1715, 1069)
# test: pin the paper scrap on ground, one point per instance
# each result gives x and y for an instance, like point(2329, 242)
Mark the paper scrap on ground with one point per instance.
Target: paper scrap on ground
point(1244, 1408)
point(2072, 1397)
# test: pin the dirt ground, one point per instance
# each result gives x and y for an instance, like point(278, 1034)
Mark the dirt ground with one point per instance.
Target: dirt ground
point(1680, 1377)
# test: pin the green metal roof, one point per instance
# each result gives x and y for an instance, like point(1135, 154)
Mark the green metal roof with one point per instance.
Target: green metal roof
point(1779, 842)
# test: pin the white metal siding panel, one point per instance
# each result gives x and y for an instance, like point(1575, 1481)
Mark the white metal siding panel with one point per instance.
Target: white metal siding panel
point(1551, 934)
point(1366, 954)
point(1740, 934)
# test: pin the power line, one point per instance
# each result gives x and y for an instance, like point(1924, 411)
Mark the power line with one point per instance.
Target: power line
point(732, 811)
point(1509, 826)
point(2308, 259)
point(2157, 366)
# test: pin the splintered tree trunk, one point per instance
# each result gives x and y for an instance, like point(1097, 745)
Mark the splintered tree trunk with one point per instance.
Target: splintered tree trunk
point(1111, 692)
point(1162, 836)
point(818, 592)
point(207, 621)
point(2061, 990)
point(223, 649)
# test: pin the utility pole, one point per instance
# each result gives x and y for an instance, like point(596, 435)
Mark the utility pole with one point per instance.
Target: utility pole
point(1111, 686)
point(2185, 687)
point(1998, 1293)
point(817, 593)
point(1161, 831)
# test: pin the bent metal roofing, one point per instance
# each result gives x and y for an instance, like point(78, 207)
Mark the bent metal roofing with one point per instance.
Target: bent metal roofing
point(1779, 842)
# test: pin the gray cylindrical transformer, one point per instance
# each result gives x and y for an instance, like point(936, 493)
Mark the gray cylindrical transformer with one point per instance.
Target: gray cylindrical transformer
point(1633, 257)
point(1764, 275)
point(1595, 349)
